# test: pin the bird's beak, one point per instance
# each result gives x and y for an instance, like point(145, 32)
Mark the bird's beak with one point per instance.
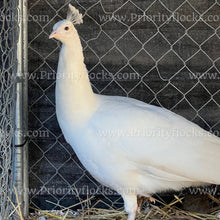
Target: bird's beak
point(53, 35)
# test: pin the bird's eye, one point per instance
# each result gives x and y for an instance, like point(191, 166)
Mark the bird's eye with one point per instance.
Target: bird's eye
point(66, 28)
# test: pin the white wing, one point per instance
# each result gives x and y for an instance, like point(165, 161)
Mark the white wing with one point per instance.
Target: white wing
point(158, 140)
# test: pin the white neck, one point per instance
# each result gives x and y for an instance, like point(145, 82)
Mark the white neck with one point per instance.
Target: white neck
point(74, 96)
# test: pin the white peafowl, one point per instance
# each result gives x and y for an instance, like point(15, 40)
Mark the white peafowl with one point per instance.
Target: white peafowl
point(132, 147)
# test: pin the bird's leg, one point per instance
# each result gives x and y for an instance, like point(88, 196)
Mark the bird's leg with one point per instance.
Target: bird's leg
point(140, 200)
point(130, 203)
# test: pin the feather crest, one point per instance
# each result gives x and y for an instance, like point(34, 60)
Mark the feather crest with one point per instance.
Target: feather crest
point(73, 15)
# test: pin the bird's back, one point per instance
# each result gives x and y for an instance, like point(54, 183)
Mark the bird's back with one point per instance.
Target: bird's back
point(156, 137)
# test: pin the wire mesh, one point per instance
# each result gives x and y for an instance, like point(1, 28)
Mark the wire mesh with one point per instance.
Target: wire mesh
point(149, 50)
point(8, 30)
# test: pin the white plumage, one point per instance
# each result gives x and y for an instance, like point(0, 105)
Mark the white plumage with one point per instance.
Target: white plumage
point(130, 146)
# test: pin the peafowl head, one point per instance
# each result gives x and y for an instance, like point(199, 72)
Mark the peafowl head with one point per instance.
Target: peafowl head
point(65, 30)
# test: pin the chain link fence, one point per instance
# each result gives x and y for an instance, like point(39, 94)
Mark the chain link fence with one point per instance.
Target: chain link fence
point(8, 65)
point(161, 52)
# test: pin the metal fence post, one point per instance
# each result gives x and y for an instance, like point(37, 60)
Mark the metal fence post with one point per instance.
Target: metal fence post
point(21, 122)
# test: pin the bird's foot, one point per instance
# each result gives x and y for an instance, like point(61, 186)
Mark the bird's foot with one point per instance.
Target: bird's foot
point(141, 199)
point(151, 199)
